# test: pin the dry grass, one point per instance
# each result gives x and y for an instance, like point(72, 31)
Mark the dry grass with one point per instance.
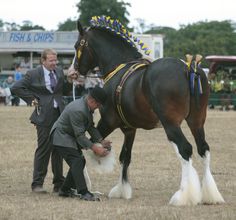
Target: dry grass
point(154, 175)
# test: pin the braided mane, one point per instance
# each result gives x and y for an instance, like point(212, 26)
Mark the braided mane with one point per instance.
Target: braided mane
point(116, 27)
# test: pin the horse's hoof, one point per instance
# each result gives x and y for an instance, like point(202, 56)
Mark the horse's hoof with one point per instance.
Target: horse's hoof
point(121, 191)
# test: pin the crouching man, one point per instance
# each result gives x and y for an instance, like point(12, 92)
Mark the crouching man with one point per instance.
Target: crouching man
point(69, 138)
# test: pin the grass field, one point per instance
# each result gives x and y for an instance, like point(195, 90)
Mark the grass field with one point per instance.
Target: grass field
point(154, 175)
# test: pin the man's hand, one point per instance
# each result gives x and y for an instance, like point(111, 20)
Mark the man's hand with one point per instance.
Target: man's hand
point(35, 102)
point(106, 144)
point(99, 150)
point(72, 75)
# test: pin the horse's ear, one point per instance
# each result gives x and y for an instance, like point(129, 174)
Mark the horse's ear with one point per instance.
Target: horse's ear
point(80, 28)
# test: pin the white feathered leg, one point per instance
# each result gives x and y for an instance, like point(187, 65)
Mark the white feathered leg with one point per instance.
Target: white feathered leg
point(87, 178)
point(121, 190)
point(190, 189)
point(210, 192)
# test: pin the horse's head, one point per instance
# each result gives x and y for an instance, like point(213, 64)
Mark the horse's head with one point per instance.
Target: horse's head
point(84, 58)
point(107, 44)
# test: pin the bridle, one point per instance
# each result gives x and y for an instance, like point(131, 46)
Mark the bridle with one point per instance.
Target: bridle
point(82, 45)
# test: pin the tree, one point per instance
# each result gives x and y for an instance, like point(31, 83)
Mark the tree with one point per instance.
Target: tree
point(68, 25)
point(28, 25)
point(11, 26)
point(206, 38)
point(116, 10)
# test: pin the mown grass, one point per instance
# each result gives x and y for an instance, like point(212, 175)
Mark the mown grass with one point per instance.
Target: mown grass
point(154, 175)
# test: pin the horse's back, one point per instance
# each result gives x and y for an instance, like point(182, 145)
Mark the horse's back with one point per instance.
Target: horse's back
point(167, 72)
point(167, 82)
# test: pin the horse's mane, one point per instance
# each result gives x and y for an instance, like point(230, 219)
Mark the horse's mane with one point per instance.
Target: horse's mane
point(115, 27)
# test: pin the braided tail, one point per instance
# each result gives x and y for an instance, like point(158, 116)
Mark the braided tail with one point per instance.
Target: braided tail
point(195, 85)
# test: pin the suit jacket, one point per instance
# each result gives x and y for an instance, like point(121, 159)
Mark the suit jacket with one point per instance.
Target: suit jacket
point(70, 128)
point(33, 86)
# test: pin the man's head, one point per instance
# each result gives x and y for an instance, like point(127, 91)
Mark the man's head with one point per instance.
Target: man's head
point(49, 59)
point(97, 96)
point(9, 79)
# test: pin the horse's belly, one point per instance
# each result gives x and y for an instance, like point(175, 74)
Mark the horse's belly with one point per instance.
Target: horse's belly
point(143, 118)
point(150, 121)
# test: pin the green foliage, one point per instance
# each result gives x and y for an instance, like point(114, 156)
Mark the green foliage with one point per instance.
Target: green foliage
point(34, 27)
point(205, 38)
point(68, 25)
point(89, 8)
point(28, 25)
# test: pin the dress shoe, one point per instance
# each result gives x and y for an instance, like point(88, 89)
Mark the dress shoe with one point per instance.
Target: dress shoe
point(88, 196)
point(39, 189)
point(68, 193)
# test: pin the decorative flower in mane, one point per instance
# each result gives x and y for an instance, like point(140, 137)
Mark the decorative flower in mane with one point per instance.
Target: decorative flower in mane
point(116, 27)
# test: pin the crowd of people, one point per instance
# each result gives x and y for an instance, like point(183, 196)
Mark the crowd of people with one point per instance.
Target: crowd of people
point(61, 131)
point(6, 97)
point(223, 86)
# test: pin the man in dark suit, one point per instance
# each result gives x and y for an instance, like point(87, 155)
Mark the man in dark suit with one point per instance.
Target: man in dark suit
point(68, 136)
point(43, 87)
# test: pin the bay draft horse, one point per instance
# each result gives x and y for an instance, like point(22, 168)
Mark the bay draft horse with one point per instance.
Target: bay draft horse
point(140, 95)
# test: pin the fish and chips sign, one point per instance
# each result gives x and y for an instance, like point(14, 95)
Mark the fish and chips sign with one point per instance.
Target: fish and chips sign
point(42, 37)
point(37, 40)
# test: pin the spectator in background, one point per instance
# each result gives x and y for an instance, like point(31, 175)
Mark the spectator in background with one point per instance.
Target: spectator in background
point(78, 89)
point(2, 95)
point(7, 84)
point(25, 63)
point(17, 73)
point(92, 79)
point(17, 76)
point(77, 83)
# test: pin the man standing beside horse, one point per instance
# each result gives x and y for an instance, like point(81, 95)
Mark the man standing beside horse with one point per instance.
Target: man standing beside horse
point(43, 87)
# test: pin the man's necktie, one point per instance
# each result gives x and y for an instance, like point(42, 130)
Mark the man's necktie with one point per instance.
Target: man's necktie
point(53, 81)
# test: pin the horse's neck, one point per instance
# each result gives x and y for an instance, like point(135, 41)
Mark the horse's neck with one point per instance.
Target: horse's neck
point(109, 60)
point(112, 53)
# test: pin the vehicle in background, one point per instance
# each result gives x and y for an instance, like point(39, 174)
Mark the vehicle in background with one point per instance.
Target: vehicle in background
point(222, 78)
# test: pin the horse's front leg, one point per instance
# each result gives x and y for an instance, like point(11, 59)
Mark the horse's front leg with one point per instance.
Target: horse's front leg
point(123, 188)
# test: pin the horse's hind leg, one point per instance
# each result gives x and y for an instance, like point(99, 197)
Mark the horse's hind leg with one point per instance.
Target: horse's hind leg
point(190, 189)
point(123, 188)
point(210, 192)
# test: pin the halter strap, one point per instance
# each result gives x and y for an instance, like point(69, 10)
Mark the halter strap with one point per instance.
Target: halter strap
point(83, 43)
point(111, 74)
point(119, 88)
